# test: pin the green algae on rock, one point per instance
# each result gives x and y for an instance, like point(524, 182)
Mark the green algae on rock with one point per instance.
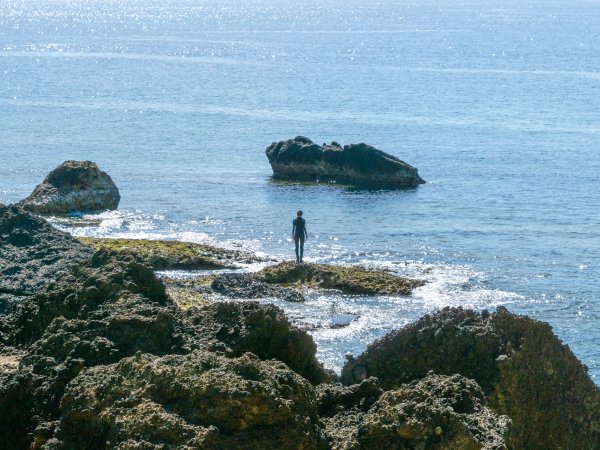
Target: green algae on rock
point(199, 400)
point(523, 368)
point(348, 279)
point(174, 255)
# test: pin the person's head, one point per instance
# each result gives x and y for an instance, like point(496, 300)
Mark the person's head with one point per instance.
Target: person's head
point(299, 213)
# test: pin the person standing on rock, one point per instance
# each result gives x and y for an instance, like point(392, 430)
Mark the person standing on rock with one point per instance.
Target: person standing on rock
point(299, 233)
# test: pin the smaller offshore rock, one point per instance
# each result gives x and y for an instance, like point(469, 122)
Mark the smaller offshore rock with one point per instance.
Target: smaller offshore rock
point(437, 412)
point(241, 285)
point(199, 400)
point(347, 279)
point(361, 165)
point(71, 187)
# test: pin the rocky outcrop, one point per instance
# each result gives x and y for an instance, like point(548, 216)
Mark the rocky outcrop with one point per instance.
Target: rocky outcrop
point(95, 354)
point(174, 255)
point(32, 256)
point(71, 187)
point(347, 279)
point(199, 400)
point(300, 159)
point(524, 369)
point(100, 308)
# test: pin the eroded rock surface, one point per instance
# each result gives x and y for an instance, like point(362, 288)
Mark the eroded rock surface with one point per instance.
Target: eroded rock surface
point(199, 400)
point(300, 159)
point(437, 412)
point(71, 187)
point(524, 369)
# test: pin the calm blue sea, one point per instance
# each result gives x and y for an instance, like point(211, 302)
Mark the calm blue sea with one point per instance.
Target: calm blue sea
point(496, 102)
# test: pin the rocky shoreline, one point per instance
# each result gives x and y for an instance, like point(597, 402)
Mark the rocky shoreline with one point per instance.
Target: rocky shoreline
point(97, 352)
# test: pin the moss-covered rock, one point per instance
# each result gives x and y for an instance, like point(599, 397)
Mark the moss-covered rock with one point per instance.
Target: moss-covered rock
point(174, 255)
point(524, 369)
point(200, 400)
point(348, 279)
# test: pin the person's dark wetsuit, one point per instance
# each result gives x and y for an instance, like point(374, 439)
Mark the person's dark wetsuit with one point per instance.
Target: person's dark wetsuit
point(299, 233)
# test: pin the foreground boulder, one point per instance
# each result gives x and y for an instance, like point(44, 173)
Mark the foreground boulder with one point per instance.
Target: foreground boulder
point(71, 187)
point(347, 279)
point(523, 368)
point(300, 159)
point(437, 412)
point(200, 400)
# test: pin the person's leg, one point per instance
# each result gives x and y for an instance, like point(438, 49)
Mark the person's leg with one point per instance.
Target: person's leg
point(301, 248)
point(296, 245)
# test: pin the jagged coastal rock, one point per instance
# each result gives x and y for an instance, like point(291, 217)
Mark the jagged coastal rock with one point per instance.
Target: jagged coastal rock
point(96, 354)
point(361, 165)
point(523, 368)
point(71, 187)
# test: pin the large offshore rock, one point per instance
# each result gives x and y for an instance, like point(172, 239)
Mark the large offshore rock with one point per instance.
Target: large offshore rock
point(300, 159)
point(200, 400)
point(524, 369)
point(73, 186)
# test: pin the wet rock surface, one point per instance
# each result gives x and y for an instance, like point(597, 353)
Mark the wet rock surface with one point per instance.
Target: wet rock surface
point(72, 187)
point(524, 369)
point(347, 279)
point(174, 255)
point(361, 165)
point(247, 286)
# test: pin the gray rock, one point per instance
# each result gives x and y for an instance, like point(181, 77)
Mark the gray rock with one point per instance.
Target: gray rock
point(362, 165)
point(73, 186)
point(236, 285)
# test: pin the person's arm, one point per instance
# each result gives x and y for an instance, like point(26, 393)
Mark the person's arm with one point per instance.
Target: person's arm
point(293, 227)
point(305, 232)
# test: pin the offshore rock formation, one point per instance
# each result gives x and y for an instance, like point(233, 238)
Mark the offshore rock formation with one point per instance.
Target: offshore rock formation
point(73, 186)
point(361, 165)
point(523, 368)
point(174, 255)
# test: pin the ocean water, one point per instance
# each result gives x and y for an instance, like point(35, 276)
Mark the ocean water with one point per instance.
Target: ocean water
point(496, 102)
